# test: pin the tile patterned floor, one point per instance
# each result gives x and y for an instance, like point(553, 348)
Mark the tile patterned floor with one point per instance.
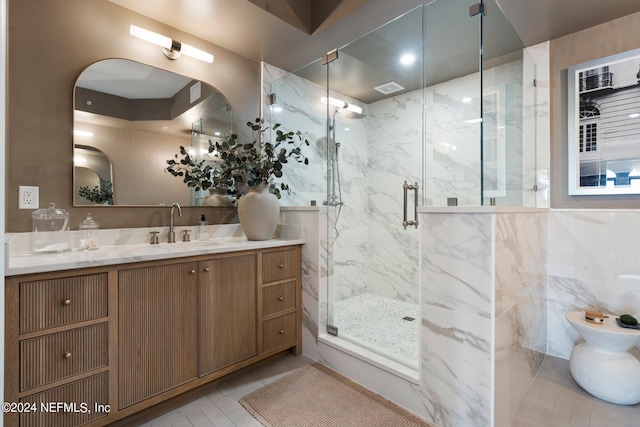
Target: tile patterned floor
point(217, 406)
point(554, 400)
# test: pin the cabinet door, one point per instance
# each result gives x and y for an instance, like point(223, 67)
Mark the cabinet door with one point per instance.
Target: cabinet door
point(228, 311)
point(158, 330)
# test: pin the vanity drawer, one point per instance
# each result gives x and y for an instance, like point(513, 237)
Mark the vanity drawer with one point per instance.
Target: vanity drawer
point(279, 332)
point(56, 302)
point(278, 265)
point(278, 298)
point(92, 391)
point(56, 356)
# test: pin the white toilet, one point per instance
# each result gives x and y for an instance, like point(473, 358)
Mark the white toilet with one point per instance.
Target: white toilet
point(602, 365)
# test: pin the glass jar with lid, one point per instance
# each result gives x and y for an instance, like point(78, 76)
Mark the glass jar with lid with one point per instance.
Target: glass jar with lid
point(89, 239)
point(51, 230)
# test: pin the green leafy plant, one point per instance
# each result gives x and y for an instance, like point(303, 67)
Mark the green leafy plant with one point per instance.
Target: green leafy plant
point(239, 164)
point(99, 194)
point(197, 174)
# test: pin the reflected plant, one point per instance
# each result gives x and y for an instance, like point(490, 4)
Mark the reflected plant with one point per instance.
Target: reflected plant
point(102, 193)
point(238, 165)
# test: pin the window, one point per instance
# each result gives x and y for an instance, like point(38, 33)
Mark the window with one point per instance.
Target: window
point(588, 137)
point(589, 128)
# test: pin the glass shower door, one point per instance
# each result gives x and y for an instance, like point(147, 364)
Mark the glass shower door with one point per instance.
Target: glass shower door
point(375, 174)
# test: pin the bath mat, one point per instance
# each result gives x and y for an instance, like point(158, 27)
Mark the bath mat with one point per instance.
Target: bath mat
point(316, 396)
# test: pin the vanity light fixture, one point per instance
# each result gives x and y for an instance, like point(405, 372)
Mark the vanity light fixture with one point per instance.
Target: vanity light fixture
point(86, 133)
point(171, 48)
point(342, 104)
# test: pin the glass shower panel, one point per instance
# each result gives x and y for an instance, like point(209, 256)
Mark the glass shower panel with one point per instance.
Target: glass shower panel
point(375, 133)
point(452, 104)
point(295, 103)
point(508, 111)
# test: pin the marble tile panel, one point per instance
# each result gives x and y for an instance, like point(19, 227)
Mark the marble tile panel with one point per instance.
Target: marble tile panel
point(521, 256)
point(456, 380)
point(595, 245)
point(457, 262)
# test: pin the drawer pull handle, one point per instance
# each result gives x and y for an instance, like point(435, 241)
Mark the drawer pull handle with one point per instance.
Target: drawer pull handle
point(206, 269)
point(281, 331)
point(66, 302)
point(67, 355)
point(192, 271)
point(280, 298)
point(281, 265)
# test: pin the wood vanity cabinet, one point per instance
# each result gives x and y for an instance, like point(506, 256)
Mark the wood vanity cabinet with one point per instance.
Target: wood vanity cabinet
point(228, 314)
point(126, 337)
point(157, 330)
point(57, 348)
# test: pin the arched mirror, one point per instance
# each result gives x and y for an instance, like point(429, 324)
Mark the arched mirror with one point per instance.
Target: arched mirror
point(129, 119)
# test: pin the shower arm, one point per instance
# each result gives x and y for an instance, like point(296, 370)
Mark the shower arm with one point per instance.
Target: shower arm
point(406, 187)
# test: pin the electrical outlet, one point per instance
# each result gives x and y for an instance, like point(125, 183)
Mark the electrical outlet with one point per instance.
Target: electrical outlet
point(29, 197)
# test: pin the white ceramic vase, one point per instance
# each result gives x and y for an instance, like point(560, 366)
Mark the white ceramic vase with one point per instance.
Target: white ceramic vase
point(259, 212)
point(217, 197)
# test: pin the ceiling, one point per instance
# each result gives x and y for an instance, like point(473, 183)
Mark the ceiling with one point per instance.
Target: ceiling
point(253, 29)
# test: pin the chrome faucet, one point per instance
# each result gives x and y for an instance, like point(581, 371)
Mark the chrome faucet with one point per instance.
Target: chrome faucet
point(172, 233)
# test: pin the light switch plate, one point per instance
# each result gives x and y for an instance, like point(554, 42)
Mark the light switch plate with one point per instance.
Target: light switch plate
point(29, 197)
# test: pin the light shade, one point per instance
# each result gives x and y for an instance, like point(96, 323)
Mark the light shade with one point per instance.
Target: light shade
point(196, 53)
point(151, 37)
point(171, 48)
point(341, 104)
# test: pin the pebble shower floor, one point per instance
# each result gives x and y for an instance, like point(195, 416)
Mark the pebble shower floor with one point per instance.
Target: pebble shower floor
point(380, 324)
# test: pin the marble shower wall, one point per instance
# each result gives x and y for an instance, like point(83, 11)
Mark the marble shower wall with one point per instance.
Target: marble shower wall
point(483, 311)
point(456, 281)
point(394, 155)
point(593, 264)
point(298, 107)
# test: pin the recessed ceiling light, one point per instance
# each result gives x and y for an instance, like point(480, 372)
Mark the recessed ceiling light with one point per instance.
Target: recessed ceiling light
point(407, 59)
point(634, 115)
point(466, 100)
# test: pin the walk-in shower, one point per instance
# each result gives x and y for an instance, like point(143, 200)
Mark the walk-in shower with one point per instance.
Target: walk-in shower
point(438, 120)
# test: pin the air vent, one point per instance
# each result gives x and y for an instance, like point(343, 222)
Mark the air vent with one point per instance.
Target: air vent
point(388, 88)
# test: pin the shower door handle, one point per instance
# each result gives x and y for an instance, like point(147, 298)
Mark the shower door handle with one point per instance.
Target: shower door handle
point(406, 187)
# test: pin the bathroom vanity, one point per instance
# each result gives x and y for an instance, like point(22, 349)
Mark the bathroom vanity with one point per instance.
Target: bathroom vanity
point(103, 341)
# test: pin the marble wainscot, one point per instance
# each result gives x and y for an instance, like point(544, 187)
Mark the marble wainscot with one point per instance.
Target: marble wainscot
point(118, 246)
point(483, 284)
point(593, 265)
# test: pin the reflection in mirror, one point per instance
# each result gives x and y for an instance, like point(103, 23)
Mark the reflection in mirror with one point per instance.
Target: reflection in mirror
point(93, 176)
point(138, 116)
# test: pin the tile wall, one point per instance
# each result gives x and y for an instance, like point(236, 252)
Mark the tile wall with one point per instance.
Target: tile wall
point(593, 264)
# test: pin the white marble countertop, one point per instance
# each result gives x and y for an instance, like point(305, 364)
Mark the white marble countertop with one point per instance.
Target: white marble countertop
point(126, 248)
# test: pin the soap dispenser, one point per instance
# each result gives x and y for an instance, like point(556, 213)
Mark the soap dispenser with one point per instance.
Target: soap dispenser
point(203, 230)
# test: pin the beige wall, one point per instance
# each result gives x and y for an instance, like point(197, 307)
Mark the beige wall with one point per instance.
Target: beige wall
point(597, 42)
point(50, 43)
